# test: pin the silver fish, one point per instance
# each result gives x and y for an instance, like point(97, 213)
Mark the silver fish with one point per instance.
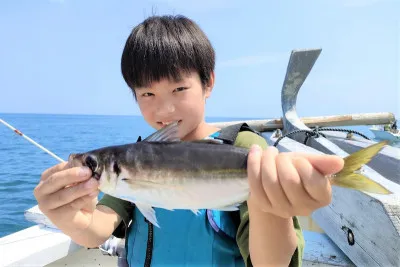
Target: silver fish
point(162, 171)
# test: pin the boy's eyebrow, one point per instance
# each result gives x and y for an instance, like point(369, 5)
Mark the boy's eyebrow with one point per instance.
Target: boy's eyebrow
point(178, 79)
point(144, 87)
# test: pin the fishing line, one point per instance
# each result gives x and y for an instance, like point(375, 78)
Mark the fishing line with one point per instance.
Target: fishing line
point(18, 132)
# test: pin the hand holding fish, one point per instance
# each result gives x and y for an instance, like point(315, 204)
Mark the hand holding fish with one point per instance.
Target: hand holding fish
point(67, 196)
point(290, 184)
point(296, 184)
point(285, 185)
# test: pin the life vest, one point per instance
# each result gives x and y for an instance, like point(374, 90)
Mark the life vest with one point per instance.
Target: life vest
point(186, 239)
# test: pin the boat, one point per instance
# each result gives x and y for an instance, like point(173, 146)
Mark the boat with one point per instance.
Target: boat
point(356, 229)
point(386, 132)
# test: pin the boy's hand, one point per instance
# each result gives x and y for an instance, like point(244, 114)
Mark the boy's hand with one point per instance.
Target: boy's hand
point(290, 184)
point(67, 196)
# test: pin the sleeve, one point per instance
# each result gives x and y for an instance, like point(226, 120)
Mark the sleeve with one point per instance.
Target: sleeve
point(123, 208)
point(246, 139)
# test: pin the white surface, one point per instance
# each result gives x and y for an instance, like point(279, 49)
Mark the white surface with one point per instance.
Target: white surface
point(42, 246)
point(48, 246)
point(35, 246)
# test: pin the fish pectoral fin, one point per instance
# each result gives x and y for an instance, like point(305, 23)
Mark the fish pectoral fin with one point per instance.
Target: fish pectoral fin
point(127, 198)
point(148, 212)
point(197, 212)
point(234, 207)
point(168, 133)
point(359, 182)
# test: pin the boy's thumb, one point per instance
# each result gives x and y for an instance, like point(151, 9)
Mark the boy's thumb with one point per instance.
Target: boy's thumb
point(326, 164)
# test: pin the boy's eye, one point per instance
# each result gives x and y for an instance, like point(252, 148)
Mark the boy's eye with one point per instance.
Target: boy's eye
point(179, 89)
point(147, 94)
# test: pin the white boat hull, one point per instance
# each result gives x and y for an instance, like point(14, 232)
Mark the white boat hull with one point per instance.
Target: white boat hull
point(44, 246)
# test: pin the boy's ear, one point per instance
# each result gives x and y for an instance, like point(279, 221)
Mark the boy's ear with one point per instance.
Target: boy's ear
point(210, 85)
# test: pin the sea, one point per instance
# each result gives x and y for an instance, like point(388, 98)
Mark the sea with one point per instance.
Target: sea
point(21, 162)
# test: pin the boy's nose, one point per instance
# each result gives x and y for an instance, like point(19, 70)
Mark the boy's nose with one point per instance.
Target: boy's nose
point(165, 109)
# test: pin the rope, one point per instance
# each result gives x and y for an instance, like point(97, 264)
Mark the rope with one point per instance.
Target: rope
point(316, 132)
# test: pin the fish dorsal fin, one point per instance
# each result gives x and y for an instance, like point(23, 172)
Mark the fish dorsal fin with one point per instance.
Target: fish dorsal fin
point(168, 133)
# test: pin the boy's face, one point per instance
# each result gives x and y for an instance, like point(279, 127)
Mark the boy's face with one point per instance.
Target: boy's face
point(166, 101)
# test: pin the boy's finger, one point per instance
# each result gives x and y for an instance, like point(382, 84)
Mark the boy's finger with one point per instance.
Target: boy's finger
point(271, 182)
point(317, 186)
point(254, 176)
point(292, 185)
point(50, 171)
point(91, 205)
point(70, 194)
point(86, 203)
point(325, 164)
point(61, 179)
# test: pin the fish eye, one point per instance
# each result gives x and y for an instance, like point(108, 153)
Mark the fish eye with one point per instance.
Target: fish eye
point(116, 168)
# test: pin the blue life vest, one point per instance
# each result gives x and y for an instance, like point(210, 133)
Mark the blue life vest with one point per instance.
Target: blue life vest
point(185, 239)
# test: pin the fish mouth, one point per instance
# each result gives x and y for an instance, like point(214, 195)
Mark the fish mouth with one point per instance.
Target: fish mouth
point(71, 158)
point(165, 123)
point(89, 160)
point(74, 160)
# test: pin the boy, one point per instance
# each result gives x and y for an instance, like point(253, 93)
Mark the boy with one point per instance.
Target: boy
point(168, 63)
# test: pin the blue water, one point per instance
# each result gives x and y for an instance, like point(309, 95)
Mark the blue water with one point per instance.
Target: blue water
point(21, 163)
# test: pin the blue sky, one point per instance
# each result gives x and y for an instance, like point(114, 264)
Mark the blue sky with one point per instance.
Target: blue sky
point(63, 56)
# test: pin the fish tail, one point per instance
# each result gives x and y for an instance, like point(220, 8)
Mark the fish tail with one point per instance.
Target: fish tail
point(351, 177)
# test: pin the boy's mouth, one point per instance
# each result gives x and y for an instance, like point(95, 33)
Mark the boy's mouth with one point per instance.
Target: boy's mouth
point(165, 123)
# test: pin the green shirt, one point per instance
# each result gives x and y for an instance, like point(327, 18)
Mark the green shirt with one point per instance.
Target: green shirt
point(245, 139)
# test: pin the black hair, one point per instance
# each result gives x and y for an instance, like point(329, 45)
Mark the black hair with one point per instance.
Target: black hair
point(166, 47)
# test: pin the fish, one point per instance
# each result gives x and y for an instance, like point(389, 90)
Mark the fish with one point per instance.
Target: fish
point(163, 171)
